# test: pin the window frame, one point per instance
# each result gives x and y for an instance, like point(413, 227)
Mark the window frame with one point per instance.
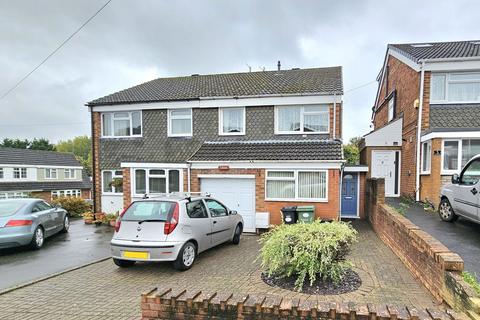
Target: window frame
point(74, 193)
point(147, 180)
point(295, 179)
point(220, 122)
point(393, 100)
point(20, 173)
point(302, 118)
point(70, 176)
point(170, 118)
point(462, 173)
point(114, 176)
point(112, 121)
point(429, 160)
point(448, 81)
point(444, 171)
point(50, 171)
point(2, 174)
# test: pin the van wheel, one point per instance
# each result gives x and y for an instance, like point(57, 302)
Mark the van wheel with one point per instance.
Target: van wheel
point(237, 234)
point(186, 257)
point(445, 211)
point(123, 263)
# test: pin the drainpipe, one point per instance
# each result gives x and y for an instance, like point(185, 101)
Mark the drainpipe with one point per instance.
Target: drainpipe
point(334, 115)
point(340, 193)
point(419, 132)
point(94, 176)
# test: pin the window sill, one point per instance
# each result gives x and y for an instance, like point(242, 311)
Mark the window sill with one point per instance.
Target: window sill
point(296, 200)
point(425, 173)
point(231, 134)
point(299, 132)
point(120, 137)
point(112, 194)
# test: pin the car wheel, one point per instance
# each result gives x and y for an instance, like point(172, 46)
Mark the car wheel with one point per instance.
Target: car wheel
point(186, 257)
point(237, 234)
point(123, 263)
point(445, 211)
point(38, 238)
point(66, 224)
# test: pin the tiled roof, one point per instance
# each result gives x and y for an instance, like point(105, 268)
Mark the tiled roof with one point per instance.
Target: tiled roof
point(454, 116)
point(269, 150)
point(44, 186)
point(37, 157)
point(438, 50)
point(296, 81)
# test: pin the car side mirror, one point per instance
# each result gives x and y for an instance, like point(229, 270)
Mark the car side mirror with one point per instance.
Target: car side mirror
point(233, 212)
point(455, 179)
point(57, 206)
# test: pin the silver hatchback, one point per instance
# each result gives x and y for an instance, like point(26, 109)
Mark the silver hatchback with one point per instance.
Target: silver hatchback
point(173, 228)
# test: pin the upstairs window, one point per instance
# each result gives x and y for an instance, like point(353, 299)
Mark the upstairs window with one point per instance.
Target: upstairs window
point(180, 122)
point(69, 173)
point(1, 173)
point(20, 173)
point(50, 173)
point(122, 124)
point(455, 87)
point(112, 181)
point(232, 121)
point(302, 119)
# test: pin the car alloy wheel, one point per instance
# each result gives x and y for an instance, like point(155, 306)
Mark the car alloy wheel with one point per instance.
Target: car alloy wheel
point(66, 223)
point(188, 255)
point(39, 237)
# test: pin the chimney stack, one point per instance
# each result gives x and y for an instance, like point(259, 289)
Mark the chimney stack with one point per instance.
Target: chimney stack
point(279, 65)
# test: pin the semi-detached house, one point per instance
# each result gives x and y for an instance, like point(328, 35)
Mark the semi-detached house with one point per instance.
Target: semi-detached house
point(258, 141)
point(426, 117)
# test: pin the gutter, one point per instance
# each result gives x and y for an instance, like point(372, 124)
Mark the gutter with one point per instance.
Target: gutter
point(419, 132)
point(94, 192)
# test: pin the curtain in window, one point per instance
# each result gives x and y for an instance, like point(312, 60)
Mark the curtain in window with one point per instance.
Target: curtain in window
point(437, 87)
point(140, 182)
point(289, 118)
point(121, 127)
point(232, 120)
point(312, 185)
point(450, 156)
point(173, 181)
point(278, 188)
point(136, 123)
point(464, 91)
point(107, 124)
point(470, 148)
point(107, 180)
point(316, 122)
point(157, 185)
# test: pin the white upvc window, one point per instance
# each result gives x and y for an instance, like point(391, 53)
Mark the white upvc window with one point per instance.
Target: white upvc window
point(231, 121)
point(308, 119)
point(1, 173)
point(112, 181)
point(19, 173)
point(66, 193)
point(13, 195)
point(462, 87)
point(51, 173)
point(157, 181)
point(391, 108)
point(122, 124)
point(69, 173)
point(426, 157)
point(296, 185)
point(180, 122)
point(457, 152)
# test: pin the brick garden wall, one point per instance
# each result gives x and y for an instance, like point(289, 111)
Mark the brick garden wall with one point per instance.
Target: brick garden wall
point(164, 303)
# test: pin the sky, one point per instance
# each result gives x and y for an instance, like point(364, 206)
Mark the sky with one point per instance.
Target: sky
point(131, 42)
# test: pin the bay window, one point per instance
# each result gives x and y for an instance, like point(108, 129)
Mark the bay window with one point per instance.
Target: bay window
point(180, 122)
point(122, 124)
point(296, 185)
point(426, 157)
point(455, 87)
point(457, 152)
point(155, 181)
point(302, 119)
point(112, 181)
point(232, 121)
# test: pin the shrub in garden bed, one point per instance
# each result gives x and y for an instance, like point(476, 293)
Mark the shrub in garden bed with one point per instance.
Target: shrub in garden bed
point(307, 251)
point(74, 206)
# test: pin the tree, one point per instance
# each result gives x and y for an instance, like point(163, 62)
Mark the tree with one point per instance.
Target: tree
point(41, 144)
point(35, 144)
point(81, 147)
point(351, 151)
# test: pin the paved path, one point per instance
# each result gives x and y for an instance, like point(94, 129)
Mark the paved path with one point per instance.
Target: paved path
point(462, 236)
point(103, 291)
point(83, 244)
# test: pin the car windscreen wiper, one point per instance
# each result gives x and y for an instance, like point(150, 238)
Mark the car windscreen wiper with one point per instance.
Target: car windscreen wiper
point(150, 220)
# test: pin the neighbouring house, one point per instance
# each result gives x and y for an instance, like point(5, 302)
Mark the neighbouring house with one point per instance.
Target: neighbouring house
point(41, 174)
point(426, 117)
point(258, 141)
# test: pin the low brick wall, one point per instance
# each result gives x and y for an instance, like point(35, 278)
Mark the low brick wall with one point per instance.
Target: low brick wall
point(167, 303)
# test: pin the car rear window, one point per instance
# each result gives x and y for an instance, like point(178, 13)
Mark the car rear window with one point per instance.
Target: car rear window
point(9, 207)
point(149, 210)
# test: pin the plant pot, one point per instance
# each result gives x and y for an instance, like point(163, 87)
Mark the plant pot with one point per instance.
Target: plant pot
point(112, 223)
point(88, 221)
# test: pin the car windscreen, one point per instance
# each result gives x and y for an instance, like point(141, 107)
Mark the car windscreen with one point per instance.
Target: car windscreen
point(10, 207)
point(149, 211)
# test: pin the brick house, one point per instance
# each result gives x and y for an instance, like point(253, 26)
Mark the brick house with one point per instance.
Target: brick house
point(42, 174)
point(257, 141)
point(426, 117)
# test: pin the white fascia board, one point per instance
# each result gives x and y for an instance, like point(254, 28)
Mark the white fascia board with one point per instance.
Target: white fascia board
point(356, 169)
point(153, 165)
point(451, 135)
point(224, 102)
point(452, 65)
point(37, 166)
point(409, 62)
point(226, 176)
point(269, 165)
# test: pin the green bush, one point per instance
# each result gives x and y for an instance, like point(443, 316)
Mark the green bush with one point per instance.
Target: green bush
point(471, 279)
point(313, 250)
point(74, 206)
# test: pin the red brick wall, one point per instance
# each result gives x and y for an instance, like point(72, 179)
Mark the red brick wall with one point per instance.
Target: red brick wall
point(363, 180)
point(97, 187)
point(432, 183)
point(338, 121)
point(127, 187)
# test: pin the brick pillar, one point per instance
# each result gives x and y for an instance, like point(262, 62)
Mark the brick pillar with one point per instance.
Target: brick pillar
point(97, 179)
point(127, 187)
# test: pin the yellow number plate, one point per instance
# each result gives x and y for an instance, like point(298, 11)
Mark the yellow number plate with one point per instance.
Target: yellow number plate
point(136, 255)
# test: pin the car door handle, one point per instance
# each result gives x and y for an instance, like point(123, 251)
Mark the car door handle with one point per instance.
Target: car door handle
point(474, 191)
point(214, 221)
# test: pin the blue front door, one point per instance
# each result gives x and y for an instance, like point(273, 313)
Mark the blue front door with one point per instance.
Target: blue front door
point(349, 194)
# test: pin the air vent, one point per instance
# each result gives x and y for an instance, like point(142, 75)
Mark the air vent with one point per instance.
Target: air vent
point(422, 45)
point(195, 75)
point(295, 68)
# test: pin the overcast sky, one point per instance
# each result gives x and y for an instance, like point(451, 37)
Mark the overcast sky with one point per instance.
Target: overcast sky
point(130, 42)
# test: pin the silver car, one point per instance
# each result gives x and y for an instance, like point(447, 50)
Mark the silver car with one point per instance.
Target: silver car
point(173, 228)
point(462, 196)
point(29, 222)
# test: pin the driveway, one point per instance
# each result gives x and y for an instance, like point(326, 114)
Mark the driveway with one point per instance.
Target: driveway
point(462, 236)
point(103, 291)
point(83, 244)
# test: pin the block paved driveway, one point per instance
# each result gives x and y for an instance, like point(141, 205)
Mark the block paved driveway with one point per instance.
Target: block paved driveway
point(103, 291)
point(461, 236)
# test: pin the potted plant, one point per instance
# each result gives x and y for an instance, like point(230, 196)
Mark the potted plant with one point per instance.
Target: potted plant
point(117, 183)
point(110, 219)
point(88, 217)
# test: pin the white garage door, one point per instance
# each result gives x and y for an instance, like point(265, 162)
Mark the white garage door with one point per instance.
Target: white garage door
point(237, 194)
